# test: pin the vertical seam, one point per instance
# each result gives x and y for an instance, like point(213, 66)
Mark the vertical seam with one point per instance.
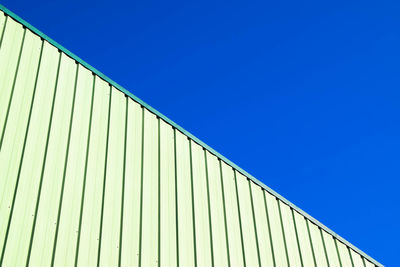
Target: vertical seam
point(193, 211)
point(85, 173)
point(351, 257)
point(159, 194)
point(239, 215)
point(141, 192)
point(337, 251)
point(363, 260)
point(3, 31)
point(310, 239)
point(254, 223)
point(123, 184)
point(176, 201)
point(223, 203)
point(105, 178)
point(209, 208)
point(283, 231)
point(269, 228)
point(297, 237)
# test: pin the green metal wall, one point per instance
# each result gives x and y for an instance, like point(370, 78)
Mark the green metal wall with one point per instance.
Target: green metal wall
point(91, 176)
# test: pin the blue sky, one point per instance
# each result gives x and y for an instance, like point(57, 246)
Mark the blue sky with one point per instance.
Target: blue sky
point(304, 95)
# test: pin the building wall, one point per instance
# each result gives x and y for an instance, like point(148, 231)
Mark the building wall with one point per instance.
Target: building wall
point(89, 176)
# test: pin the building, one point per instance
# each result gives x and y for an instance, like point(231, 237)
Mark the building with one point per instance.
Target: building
point(90, 175)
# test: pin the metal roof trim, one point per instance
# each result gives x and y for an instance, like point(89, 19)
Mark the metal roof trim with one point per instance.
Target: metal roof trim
point(188, 134)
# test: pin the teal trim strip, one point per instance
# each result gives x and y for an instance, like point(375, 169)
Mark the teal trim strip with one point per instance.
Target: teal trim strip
point(179, 128)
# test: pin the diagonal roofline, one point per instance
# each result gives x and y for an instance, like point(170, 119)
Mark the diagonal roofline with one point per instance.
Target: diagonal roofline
point(179, 128)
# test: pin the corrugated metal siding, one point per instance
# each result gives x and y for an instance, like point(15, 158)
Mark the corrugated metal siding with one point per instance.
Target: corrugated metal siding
point(88, 177)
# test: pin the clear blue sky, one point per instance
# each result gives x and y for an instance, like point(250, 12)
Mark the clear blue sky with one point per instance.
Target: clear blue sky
point(304, 96)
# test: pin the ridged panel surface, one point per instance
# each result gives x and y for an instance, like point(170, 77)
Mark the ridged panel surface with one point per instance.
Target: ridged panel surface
point(91, 177)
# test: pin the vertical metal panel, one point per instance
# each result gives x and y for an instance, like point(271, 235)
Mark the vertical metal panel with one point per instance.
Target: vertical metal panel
point(184, 200)
point(88, 243)
point(149, 209)
point(344, 254)
point(111, 209)
point(317, 245)
point(368, 263)
point(167, 197)
point(202, 218)
point(132, 186)
point(235, 236)
point(331, 250)
point(90, 177)
point(290, 235)
point(276, 230)
point(217, 211)
point(356, 259)
point(304, 240)
point(262, 226)
point(247, 221)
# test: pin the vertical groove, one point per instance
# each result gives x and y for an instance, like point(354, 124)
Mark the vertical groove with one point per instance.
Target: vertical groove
point(26, 133)
point(85, 174)
point(297, 237)
point(240, 218)
point(105, 178)
point(4, 29)
point(141, 194)
point(283, 231)
point(209, 209)
point(337, 251)
point(12, 89)
point(363, 260)
point(123, 184)
point(223, 203)
point(159, 195)
point(254, 222)
point(323, 243)
point(311, 243)
point(351, 258)
point(269, 228)
point(44, 160)
point(176, 201)
point(193, 211)
point(65, 168)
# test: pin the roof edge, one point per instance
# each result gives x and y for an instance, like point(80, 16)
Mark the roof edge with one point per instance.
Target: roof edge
point(188, 134)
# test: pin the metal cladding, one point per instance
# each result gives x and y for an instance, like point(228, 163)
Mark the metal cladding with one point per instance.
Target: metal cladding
point(92, 176)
